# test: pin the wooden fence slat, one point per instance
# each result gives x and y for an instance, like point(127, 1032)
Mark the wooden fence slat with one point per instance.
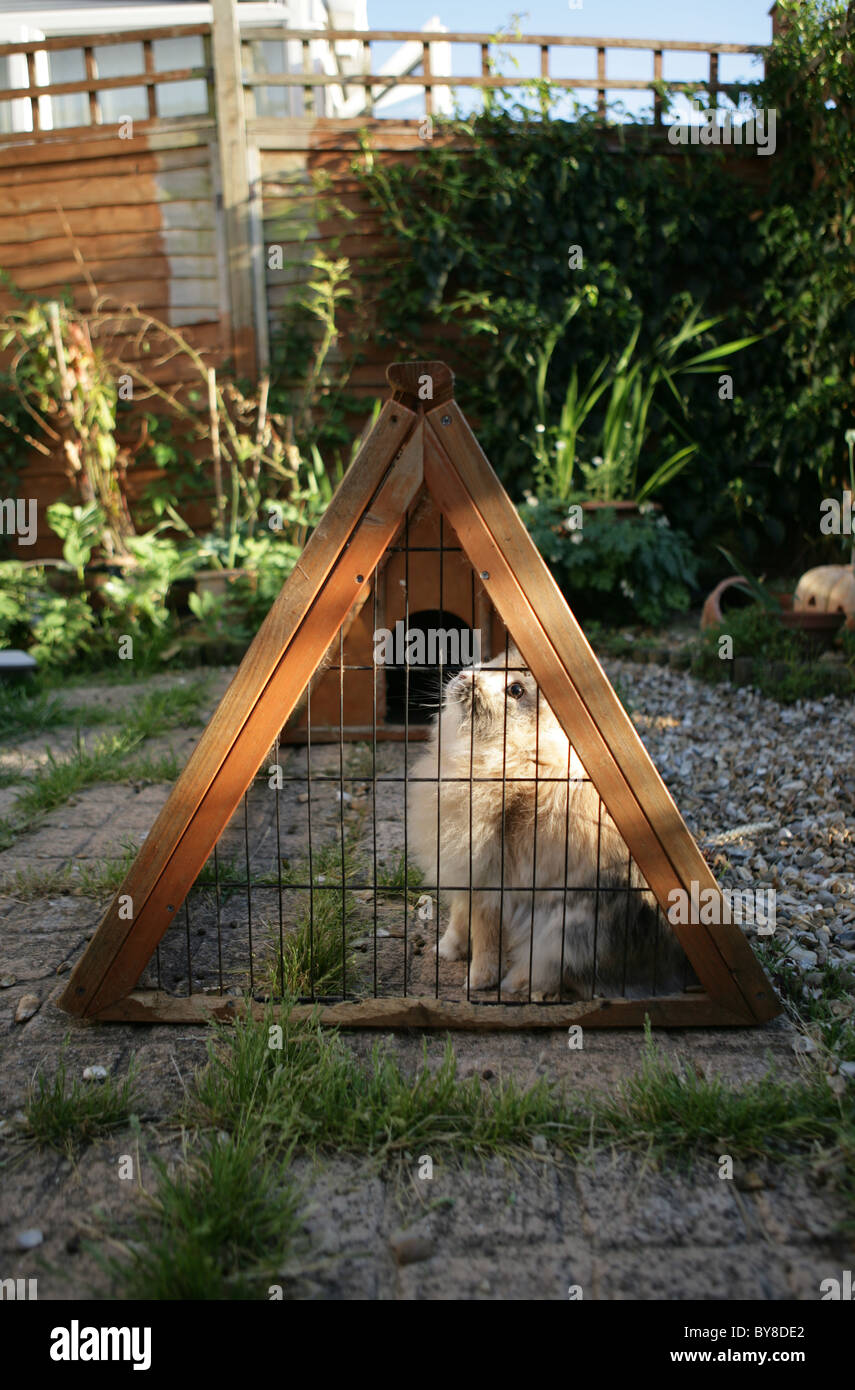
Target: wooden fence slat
point(93, 83)
point(234, 185)
point(356, 79)
point(35, 116)
point(150, 91)
point(428, 84)
point(522, 40)
point(58, 43)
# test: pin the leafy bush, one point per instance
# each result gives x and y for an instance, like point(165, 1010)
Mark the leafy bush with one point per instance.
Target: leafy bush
point(483, 225)
point(55, 628)
point(614, 568)
point(756, 634)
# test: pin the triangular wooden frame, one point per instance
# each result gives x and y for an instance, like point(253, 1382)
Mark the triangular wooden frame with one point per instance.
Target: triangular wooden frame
point(414, 445)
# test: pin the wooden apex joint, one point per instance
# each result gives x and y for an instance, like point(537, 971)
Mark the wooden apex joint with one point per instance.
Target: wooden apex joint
point(421, 385)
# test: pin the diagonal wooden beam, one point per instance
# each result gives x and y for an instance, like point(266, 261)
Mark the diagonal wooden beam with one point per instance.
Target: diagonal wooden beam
point(332, 573)
point(562, 662)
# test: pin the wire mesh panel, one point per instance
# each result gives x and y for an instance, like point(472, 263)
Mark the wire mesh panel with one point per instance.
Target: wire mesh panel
point(427, 830)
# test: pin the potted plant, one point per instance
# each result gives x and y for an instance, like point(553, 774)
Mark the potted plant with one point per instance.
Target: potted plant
point(611, 476)
point(606, 535)
point(818, 627)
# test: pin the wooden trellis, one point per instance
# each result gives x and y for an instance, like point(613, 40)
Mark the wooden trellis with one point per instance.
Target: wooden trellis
point(416, 446)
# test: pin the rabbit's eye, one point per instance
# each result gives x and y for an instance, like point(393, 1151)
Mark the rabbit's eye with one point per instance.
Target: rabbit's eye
point(516, 690)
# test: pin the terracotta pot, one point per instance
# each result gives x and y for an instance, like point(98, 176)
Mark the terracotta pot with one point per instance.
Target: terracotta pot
point(819, 628)
point(711, 613)
point(622, 510)
point(217, 582)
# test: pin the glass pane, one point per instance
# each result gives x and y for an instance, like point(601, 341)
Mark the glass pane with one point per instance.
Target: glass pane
point(68, 66)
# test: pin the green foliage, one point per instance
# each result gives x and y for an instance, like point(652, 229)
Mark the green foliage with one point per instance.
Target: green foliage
point(483, 227)
point(309, 381)
point(757, 634)
point(614, 568)
point(56, 629)
point(68, 388)
point(80, 530)
point(64, 1117)
point(629, 389)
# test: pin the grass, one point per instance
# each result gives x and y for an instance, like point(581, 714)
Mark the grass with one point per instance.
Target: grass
point(225, 1226)
point(64, 1117)
point(315, 961)
point(314, 1094)
point(677, 1112)
point(229, 1221)
point(831, 1028)
point(359, 762)
point(110, 758)
point(24, 713)
point(107, 760)
point(98, 879)
point(403, 874)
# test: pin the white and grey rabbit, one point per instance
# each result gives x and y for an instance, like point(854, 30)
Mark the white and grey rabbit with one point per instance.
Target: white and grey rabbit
point(494, 730)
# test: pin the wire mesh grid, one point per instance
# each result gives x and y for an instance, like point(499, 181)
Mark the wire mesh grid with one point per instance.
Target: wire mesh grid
point(323, 888)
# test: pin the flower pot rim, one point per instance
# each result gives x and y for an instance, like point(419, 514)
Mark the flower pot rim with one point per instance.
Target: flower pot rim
point(623, 506)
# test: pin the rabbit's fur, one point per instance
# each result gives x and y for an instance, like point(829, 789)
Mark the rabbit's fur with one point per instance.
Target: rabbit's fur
point(487, 709)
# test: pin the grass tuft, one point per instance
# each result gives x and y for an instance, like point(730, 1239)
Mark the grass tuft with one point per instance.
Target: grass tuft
point(64, 1117)
point(226, 1225)
point(317, 959)
point(110, 758)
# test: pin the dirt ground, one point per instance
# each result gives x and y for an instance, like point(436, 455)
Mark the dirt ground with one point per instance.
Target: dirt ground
point(612, 1227)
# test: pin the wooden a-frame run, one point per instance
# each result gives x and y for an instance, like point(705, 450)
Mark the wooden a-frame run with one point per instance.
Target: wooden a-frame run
point(417, 445)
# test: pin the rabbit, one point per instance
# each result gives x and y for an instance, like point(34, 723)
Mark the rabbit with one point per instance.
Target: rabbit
point(494, 728)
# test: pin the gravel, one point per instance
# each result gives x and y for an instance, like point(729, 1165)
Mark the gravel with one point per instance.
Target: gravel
point(768, 791)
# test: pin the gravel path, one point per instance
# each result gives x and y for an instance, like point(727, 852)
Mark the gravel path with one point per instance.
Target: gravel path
point(769, 792)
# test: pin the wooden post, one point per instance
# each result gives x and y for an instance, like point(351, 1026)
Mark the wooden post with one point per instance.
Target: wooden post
point(234, 183)
point(427, 74)
point(601, 77)
point(151, 90)
point(34, 100)
point(366, 69)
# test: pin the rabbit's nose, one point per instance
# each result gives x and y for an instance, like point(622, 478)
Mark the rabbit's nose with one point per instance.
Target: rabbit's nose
point(460, 685)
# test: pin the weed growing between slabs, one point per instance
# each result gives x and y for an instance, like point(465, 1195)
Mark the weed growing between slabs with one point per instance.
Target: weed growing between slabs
point(110, 758)
point(255, 1105)
point(230, 1219)
point(66, 1117)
